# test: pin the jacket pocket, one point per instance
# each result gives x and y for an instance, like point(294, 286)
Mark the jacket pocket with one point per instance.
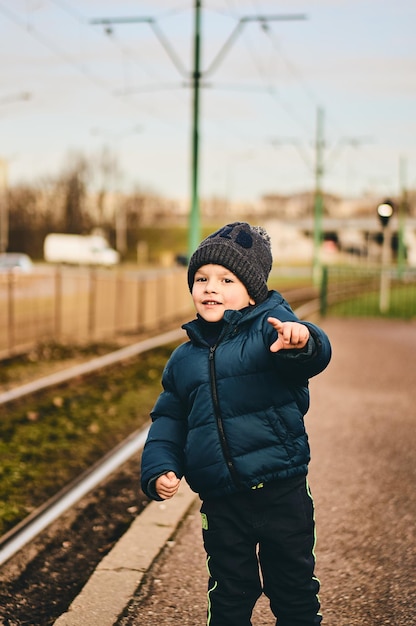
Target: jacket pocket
point(287, 425)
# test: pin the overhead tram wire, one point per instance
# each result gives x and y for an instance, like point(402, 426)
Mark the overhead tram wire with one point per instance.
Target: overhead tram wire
point(295, 71)
point(291, 67)
point(272, 90)
point(354, 142)
point(40, 38)
point(78, 66)
point(162, 40)
point(267, 88)
point(196, 75)
point(125, 51)
point(65, 6)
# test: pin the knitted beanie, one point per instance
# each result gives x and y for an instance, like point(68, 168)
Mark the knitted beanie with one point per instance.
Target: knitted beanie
point(244, 250)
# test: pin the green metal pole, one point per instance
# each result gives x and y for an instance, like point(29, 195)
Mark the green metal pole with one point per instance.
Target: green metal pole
point(402, 210)
point(194, 235)
point(318, 204)
point(324, 292)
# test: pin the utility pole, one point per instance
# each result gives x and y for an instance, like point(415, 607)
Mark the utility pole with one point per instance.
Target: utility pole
point(194, 234)
point(384, 211)
point(194, 231)
point(4, 217)
point(318, 167)
point(4, 213)
point(401, 255)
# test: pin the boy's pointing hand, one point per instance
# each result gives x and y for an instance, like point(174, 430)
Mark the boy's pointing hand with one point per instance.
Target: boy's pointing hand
point(291, 335)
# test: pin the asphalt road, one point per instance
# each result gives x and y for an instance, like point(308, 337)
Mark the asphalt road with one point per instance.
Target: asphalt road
point(363, 476)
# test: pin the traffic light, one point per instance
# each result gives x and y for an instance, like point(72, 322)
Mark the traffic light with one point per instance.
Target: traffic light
point(384, 211)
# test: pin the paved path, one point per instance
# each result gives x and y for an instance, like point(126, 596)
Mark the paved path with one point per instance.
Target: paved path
point(362, 430)
point(363, 476)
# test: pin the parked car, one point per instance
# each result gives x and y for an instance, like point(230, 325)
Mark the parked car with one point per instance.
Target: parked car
point(15, 262)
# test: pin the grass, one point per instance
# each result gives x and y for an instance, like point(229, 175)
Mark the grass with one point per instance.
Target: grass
point(49, 439)
point(47, 357)
point(402, 305)
point(362, 295)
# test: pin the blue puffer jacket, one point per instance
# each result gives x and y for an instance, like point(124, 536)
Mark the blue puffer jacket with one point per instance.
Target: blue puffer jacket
point(231, 416)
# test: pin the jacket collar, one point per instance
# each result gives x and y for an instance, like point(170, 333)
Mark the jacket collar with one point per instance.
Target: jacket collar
point(234, 319)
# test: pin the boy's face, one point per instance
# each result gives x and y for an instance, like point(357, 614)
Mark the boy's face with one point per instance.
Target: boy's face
point(215, 290)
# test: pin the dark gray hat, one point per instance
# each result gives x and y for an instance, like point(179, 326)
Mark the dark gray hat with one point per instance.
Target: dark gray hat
point(244, 250)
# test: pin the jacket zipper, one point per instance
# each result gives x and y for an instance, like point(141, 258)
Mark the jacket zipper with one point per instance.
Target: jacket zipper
point(218, 418)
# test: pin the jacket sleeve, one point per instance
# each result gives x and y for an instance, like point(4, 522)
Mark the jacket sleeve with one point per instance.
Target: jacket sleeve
point(163, 450)
point(307, 362)
point(318, 353)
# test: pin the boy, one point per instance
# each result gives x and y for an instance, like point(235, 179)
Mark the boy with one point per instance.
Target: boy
point(230, 419)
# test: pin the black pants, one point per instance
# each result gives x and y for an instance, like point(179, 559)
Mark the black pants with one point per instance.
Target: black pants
point(272, 529)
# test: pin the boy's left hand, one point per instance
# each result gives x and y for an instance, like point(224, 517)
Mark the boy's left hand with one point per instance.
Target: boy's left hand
point(167, 485)
point(291, 335)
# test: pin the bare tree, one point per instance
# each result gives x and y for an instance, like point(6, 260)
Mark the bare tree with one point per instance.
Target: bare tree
point(73, 184)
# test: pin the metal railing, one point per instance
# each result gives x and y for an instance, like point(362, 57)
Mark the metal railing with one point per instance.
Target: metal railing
point(80, 305)
point(356, 291)
point(87, 305)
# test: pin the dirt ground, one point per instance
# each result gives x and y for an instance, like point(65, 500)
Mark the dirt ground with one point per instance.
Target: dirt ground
point(38, 584)
point(362, 432)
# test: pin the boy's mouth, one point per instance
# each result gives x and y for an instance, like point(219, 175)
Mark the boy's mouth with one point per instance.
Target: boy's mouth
point(210, 302)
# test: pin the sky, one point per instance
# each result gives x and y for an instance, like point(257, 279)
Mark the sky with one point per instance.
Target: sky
point(70, 85)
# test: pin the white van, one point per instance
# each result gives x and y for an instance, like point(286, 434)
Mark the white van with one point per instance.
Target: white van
point(79, 250)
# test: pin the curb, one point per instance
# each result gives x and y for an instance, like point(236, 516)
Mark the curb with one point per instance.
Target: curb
point(117, 576)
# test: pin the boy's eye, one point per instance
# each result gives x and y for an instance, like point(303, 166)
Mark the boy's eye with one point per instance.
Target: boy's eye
point(203, 279)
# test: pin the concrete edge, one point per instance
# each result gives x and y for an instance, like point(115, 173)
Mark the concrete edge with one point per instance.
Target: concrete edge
point(117, 576)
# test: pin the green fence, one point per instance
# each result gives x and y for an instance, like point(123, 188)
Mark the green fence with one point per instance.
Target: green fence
point(368, 291)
